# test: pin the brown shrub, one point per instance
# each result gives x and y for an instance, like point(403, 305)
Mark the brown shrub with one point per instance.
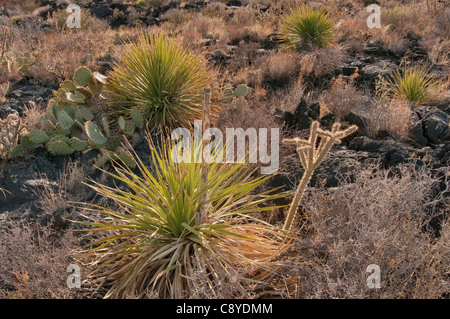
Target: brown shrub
point(33, 262)
point(394, 117)
point(321, 62)
point(280, 68)
point(377, 219)
point(342, 98)
point(391, 40)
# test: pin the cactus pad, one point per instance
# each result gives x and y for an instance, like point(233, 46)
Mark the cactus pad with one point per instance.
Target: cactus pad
point(38, 136)
point(77, 144)
point(137, 118)
point(242, 90)
point(94, 133)
point(82, 76)
point(59, 147)
point(64, 120)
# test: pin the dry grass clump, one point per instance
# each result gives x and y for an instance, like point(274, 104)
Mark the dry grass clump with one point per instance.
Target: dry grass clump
point(200, 28)
point(33, 262)
point(349, 34)
point(280, 68)
point(321, 62)
point(378, 219)
point(341, 98)
point(404, 19)
point(57, 196)
point(394, 117)
point(255, 111)
point(176, 17)
point(63, 53)
point(390, 40)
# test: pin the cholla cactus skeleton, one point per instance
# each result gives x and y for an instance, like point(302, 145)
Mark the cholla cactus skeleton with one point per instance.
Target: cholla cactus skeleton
point(311, 156)
point(11, 129)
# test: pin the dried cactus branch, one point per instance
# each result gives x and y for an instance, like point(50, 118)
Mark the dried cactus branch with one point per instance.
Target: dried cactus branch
point(11, 129)
point(311, 156)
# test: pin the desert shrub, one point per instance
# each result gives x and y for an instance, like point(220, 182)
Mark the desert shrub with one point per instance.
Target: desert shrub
point(154, 3)
point(176, 17)
point(393, 117)
point(33, 261)
point(378, 218)
point(414, 84)
point(341, 98)
point(321, 62)
point(306, 27)
point(168, 227)
point(280, 68)
point(161, 80)
point(391, 40)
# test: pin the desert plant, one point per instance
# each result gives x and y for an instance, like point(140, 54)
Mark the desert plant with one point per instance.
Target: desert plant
point(341, 98)
point(156, 240)
point(4, 87)
point(161, 80)
point(230, 94)
point(311, 155)
point(414, 84)
point(11, 130)
point(306, 27)
point(22, 63)
point(75, 120)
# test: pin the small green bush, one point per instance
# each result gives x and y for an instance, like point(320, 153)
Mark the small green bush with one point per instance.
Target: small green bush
point(413, 84)
point(306, 27)
point(160, 79)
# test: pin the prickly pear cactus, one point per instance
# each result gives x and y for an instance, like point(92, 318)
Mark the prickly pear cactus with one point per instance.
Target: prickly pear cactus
point(82, 76)
point(94, 133)
point(76, 120)
point(229, 94)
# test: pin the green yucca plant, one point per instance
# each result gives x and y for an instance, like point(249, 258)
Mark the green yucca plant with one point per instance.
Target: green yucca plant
point(414, 84)
point(160, 79)
point(306, 27)
point(156, 240)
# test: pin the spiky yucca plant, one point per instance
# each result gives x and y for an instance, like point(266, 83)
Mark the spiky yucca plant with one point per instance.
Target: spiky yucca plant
point(306, 27)
point(156, 241)
point(160, 79)
point(414, 84)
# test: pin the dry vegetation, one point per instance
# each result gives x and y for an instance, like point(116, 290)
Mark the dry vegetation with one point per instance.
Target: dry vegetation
point(378, 219)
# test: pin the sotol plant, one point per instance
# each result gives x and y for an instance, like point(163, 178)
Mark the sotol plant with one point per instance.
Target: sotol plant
point(306, 27)
point(155, 240)
point(161, 80)
point(414, 84)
